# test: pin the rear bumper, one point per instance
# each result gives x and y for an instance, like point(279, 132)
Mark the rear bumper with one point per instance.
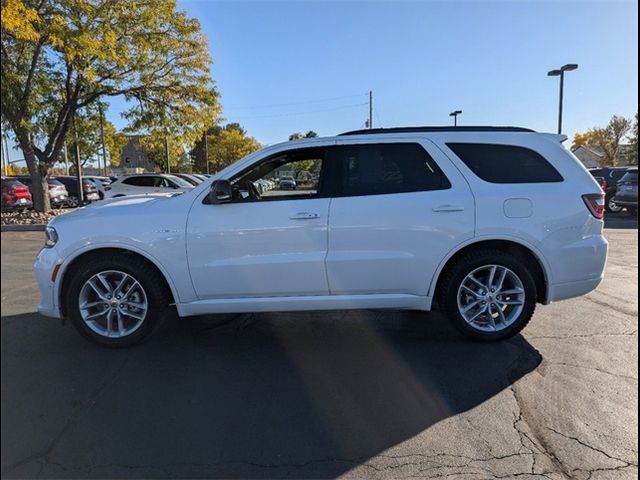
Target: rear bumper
point(563, 291)
point(583, 263)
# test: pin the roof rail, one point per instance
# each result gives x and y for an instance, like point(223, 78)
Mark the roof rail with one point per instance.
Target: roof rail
point(371, 131)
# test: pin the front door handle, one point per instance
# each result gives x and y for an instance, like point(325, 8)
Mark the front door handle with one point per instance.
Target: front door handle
point(448, 208)
point(304, 216)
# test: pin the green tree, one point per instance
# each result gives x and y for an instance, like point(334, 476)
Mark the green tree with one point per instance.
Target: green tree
point(226, 144)
point(299, 136)
point(633, 141)
point(86, 129)
point(60, 56)
point(606, 139)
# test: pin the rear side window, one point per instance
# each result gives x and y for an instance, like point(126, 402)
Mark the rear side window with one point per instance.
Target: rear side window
point(505, 163)
point(376, 169)
point(139, 181)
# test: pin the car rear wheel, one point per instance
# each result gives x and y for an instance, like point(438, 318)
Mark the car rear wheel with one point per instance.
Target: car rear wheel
point(488, 295)
point(612, 206)
point(116, 301)
point(73, 201)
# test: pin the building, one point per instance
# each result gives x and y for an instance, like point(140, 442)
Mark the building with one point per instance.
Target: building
point(593, 156)
point(133, 160)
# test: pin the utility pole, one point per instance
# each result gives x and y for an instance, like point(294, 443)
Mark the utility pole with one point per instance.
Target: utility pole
point(66, 159)
point(206, 149)
point(78, 172)
point(166, 151)
point(370, 109)
point(104, 148)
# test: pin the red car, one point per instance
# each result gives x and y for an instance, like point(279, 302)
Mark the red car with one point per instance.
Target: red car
point(15, 195)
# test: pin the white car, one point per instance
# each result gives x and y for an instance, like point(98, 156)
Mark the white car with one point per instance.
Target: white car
point(147, 183)
point(103, 184)
point(488, 221)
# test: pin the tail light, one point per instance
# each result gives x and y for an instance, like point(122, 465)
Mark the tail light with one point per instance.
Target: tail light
point(605, 186)
point(595, 204)
point(87, 185)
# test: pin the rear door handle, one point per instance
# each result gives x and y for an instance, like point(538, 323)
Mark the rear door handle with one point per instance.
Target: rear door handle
point(304, 216)
point(448, 208)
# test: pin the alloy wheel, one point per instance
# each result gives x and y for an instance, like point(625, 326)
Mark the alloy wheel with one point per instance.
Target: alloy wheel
point(491, 298)
point(113, 304)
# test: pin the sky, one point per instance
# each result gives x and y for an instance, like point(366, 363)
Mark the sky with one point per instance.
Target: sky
point(284, 67)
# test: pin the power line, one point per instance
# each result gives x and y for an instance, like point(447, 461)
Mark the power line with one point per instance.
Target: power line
point(307, 102)
point(342, 107)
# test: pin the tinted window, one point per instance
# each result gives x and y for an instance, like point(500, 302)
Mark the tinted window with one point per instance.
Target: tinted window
point(377, 169)
point(505, 163)
point(139, 181)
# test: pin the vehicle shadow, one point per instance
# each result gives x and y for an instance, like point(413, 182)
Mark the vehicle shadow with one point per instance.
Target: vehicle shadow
point(260, 396)
point(622, 220)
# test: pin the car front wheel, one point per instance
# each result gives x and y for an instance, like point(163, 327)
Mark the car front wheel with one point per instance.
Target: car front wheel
point(488, 295)
point(116, 301)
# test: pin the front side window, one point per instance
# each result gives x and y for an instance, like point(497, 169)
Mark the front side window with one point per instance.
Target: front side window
point(505, 163)
point(385, 168)
point(289, 175)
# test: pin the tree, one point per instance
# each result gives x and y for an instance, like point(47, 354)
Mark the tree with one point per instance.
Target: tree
point(299, 136)
point(633, 141)
point(87, 129)
point(226, 144)
point(607, 140)
point(60, 56)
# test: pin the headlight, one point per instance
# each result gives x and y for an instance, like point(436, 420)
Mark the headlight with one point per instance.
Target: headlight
point(51, 237)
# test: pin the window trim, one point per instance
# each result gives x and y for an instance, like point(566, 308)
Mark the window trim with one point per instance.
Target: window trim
point(508, 145)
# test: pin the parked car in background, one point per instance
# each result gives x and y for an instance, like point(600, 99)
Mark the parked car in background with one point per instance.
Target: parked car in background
point(485, 222)
point(627, 191)
point(147, 183)
point(58, 194)
point(103, 184)
point(15, 195)
point(287, 183)
point(89, 190)
point(201, 177)
point(192, 179)
point(611, 176)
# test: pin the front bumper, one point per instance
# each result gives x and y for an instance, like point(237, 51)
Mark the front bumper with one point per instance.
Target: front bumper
point(46, 261)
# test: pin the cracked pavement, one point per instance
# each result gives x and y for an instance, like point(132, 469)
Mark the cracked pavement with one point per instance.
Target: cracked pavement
point(368, 394)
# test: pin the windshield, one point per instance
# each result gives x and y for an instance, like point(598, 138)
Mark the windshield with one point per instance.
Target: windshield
point(180, 182)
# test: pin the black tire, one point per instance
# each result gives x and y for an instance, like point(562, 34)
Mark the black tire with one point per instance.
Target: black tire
point(456, 273)
point(611, 206)
point(73, 201)
point(158, 297)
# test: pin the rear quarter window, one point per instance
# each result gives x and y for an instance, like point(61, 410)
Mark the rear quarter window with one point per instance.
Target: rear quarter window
point(505, 163)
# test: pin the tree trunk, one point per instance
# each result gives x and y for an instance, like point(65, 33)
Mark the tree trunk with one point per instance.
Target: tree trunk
point(39, 172)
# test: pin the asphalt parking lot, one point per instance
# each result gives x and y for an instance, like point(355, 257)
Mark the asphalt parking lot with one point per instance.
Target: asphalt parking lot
point(367, 394)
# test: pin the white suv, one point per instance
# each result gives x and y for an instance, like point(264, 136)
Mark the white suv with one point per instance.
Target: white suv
point(145, 184)
point(485, 222)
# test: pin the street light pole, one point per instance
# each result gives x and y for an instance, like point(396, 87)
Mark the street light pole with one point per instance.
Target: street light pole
point(455, 114)
point(560, 73)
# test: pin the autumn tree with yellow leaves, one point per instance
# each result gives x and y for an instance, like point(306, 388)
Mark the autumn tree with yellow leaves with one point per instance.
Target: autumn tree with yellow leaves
point(61, 56)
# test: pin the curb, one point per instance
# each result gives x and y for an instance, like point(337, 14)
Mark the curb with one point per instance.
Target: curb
point(37, 227)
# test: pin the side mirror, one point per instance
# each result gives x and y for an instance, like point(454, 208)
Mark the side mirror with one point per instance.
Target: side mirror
point(220, 192)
